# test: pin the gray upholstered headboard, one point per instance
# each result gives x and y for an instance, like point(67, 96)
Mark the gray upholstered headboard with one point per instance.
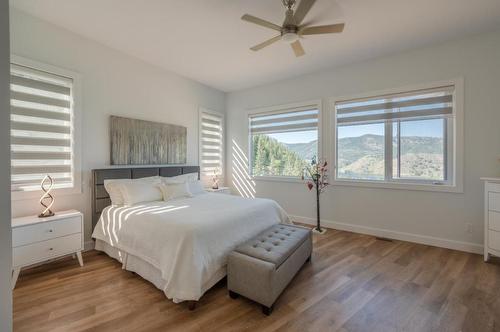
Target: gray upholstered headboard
point(100, 197)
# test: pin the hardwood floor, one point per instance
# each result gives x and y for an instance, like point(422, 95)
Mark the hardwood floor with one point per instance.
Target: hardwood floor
point(354, 283)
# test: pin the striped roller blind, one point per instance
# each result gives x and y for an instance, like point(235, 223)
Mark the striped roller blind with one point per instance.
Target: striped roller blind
point(211, 142)
point(41, 131)
point(287, 121)
point(431, 103)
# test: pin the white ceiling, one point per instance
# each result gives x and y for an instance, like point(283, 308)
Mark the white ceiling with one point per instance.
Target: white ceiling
point(207, 41)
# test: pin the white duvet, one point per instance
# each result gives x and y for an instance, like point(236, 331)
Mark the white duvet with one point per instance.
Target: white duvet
point(188, 240)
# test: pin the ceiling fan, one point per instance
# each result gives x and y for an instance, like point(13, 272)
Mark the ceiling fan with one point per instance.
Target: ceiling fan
point(291, 31)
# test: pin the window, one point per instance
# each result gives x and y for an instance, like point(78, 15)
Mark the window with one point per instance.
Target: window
point(283, 141)
point(211, 142)
point(42, 129)
point(397, 138)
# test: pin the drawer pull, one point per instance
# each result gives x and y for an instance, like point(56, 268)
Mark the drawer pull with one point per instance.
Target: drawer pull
point(50, 230)
point(51, 248)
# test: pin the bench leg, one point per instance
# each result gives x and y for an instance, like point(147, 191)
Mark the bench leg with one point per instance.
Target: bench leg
point(192, 305)
point(267, 310)
point(233, 295)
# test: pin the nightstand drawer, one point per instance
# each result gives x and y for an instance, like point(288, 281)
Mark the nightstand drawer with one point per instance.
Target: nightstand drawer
point(494, 201)
point(494, 240)
point(495, 187)
point(494, 220)
point(45, 230)
point(44, 250)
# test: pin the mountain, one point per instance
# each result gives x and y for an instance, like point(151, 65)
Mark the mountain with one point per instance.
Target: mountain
point(352, 149)
point(358, 157)
point(363, 156)
point(304, 150)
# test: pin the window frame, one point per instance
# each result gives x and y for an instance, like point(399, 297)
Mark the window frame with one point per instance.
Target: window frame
point(202, 110)
point(277, 109)
point(453, 152)
point(76, 128)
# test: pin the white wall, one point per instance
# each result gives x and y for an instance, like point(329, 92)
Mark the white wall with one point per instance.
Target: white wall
point(5, 229)
point(112, 84)
point(425, 214)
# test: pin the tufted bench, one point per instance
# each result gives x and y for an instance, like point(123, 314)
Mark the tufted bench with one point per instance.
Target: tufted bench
point(262, 267)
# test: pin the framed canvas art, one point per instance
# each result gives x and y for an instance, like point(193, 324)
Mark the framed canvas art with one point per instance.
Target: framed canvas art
point(140, 142)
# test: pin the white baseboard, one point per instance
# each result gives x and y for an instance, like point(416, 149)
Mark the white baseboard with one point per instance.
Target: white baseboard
point(88, 245)
point(475, 248)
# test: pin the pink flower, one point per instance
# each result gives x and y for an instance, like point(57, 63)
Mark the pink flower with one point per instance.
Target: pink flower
point(309, 185)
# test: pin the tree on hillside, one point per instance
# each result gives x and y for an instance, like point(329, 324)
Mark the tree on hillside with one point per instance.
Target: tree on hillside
point(270, 157)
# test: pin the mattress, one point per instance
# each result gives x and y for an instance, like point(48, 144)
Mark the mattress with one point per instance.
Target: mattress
point(181, 246)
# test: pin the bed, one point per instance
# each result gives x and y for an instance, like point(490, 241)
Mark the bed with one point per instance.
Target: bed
point(180, 246)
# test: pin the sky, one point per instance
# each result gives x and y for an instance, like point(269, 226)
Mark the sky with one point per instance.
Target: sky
point(296, 137)
point(427, 128)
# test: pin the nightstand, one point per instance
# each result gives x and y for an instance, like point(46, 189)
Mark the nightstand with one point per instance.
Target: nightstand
point(35, 240)
point(220, 190)
point(492, 217)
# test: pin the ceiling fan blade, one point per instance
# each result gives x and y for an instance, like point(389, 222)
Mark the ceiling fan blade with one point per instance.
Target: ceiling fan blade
point(320, 29)
point(302, 10)
point(266, 43)
point(261, 22)
point(297, 48)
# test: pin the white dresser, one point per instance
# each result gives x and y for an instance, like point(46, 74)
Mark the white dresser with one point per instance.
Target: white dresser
point(491, 217)
point(35, 240)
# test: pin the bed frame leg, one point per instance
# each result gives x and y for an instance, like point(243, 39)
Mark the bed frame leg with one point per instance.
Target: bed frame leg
point(192, 305)
point(124, 262)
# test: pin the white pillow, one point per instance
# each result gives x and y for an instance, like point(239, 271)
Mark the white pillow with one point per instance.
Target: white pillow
point(140, 191)
point(196, 187)
point(114, 191)
point(180, 178)
point(175, 190)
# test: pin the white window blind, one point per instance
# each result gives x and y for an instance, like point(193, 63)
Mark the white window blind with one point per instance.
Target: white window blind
point(41, 128)
point(293, 120)
point(211, 142)
point(421, 104)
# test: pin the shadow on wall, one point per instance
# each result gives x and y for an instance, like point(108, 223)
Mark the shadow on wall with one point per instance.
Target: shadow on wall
point(240, 173)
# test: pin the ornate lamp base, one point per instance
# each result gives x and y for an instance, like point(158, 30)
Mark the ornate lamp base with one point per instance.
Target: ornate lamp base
point(46, 214)
point(315, 230)
point(46, 200)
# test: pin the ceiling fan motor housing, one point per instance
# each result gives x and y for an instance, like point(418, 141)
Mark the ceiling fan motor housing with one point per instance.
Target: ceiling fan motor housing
point(289, 34)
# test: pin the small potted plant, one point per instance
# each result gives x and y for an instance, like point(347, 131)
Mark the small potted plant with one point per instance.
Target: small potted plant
point(317, 178)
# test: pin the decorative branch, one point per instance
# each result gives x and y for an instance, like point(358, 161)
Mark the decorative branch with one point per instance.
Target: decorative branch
point(318, 173)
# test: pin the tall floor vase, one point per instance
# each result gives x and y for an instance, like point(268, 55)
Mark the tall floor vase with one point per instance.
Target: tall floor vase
point(318, 229)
